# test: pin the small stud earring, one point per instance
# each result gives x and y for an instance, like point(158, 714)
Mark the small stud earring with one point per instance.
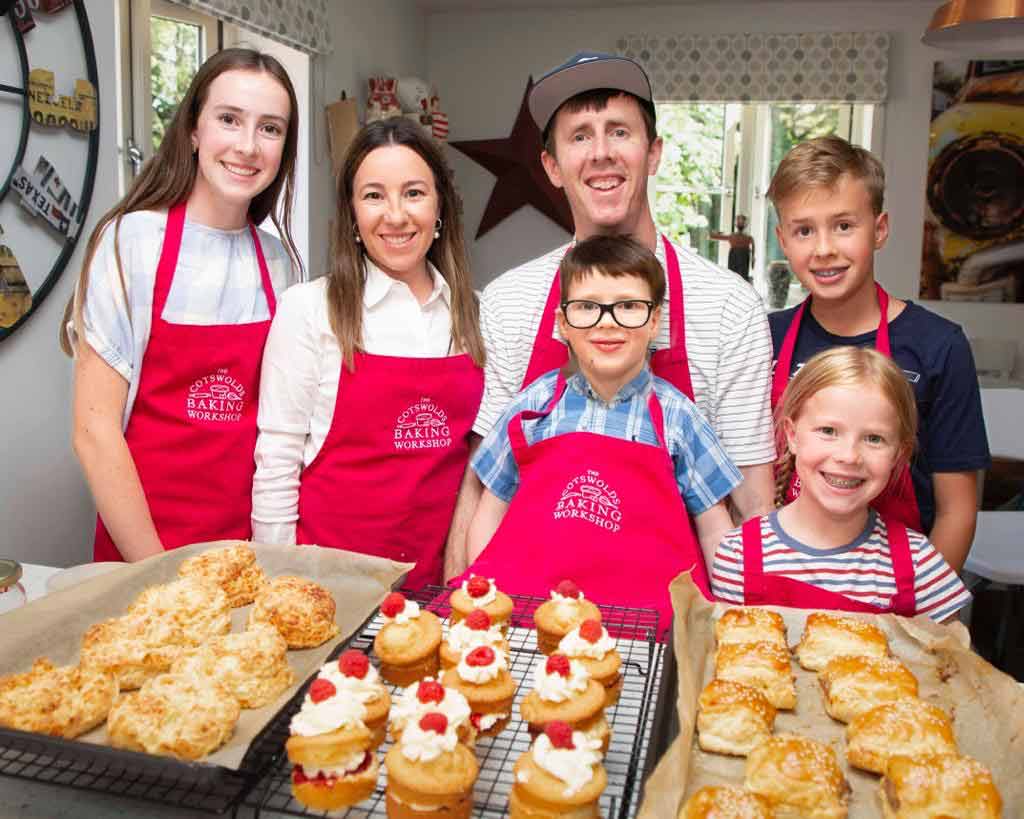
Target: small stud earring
point(358, 238)
point(437, 228)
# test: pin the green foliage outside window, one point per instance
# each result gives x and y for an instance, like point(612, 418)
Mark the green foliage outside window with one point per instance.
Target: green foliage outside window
point(175, 59)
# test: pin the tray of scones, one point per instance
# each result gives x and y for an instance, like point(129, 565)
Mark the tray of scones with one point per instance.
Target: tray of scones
point(775, 712)
point(473, 702)
point(171, 669)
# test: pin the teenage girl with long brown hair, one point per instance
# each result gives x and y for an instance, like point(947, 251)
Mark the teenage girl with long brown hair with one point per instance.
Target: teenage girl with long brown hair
point(372, 375)
point(171, 312)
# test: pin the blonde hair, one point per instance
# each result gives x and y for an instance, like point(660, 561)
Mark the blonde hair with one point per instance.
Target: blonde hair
point(820, 162)
point(845, 367)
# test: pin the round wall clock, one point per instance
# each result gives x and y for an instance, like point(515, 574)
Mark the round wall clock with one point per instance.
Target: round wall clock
point(49, 144)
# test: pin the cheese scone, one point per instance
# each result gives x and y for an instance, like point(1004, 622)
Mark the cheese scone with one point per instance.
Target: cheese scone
point(853, 684)
point(301, 610)
point(199, 608)
point(909, 727)
point(133, 648)
point(252, 665)
point(799, 777)
point(62, 702)
point(233, 568)
point(764, 666)
point(733, 718)
point(174, 715)
point(725, 802)
point(827, 635)
point(751, 625)
point(932, 787)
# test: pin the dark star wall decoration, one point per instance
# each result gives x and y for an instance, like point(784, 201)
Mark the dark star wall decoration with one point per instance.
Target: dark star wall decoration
point(521, 179)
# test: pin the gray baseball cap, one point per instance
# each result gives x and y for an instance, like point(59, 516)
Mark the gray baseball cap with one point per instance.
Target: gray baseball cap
point(587, 71)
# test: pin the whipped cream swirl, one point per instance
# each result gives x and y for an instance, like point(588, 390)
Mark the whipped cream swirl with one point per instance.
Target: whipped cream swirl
point(327, 715)
point(483, 600)
point(566, 608)
point(408, 706)
point(461, 637)
point(480, 674)
point(555, 687)
point(574, 767)
point(410, 612)
point(365, 690)
point(573, 645)
point(422, 746)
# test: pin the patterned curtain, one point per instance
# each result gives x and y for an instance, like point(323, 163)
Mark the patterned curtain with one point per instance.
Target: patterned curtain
point(819, 67)
point(301, 24)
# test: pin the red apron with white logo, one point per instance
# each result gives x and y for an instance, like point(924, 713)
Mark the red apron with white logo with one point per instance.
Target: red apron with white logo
point(192, 431)
point(602, 511)
point(898, 500)
point(385, 480)
point(760, 589)
point(672, 364)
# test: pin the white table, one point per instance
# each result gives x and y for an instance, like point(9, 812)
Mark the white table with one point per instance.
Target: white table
point(34, 577)
point(997, 556)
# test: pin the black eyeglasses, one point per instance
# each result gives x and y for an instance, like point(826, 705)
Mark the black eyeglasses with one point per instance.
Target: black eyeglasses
point(629, 313)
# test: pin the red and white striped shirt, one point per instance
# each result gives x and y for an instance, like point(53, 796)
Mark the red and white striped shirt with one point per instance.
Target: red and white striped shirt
point(861, 570)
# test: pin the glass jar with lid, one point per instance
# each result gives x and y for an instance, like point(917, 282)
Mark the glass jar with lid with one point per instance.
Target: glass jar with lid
point(12, 593)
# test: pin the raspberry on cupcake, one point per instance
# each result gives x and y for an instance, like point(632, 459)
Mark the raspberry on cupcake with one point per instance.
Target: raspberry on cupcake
point(429, 695)
point(430, 773)
point(564, 692)
point(556, 617)
point(561, 775)
point(475, 629)
point(591, 645)
point(408, 642)
point(353, 676)
point(483, 679)
point(331, 749)
point(480, 593)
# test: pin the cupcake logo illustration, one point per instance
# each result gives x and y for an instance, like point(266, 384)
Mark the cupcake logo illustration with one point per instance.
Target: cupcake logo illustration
point(217, 398)
point(588, 497)
point(424, 425)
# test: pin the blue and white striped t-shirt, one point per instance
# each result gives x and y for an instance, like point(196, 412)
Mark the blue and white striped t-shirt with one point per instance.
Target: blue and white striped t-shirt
point(861, 570)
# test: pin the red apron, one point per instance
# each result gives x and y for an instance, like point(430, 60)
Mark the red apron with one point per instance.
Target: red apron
point(192, 431)
point(898, 500)
point(760, 589)
point(604, 512)
point(672, 364)
point(385, 480)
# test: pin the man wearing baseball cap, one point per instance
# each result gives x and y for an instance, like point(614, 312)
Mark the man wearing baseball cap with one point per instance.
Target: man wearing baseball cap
point(598, 120)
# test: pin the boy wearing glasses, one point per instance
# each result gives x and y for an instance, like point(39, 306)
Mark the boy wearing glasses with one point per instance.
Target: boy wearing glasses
point(596, 476)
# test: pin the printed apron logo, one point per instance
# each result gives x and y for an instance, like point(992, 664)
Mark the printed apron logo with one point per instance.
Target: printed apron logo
point(588, 497)
point(424, 425)
point(217, 397)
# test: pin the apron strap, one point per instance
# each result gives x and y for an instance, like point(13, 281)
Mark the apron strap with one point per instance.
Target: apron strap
point(657, 417)
point(902, 560)
point(753, 563)
point(882, 334)
point(515, 424)
point(543, 342)
point(676, 309)
point(784, 363)
point(268, 286)
point(168, 258)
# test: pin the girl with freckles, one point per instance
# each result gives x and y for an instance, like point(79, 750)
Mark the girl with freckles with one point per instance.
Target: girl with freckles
point(172, 310)
point(373, 374)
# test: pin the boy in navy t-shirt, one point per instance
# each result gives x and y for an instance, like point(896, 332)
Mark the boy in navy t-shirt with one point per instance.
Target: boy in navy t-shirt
point(828, 195)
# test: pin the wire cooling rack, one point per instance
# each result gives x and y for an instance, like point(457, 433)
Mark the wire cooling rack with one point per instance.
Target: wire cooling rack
point(634, 633)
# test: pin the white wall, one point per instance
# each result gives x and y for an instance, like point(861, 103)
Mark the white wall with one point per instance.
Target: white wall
point(481, 61)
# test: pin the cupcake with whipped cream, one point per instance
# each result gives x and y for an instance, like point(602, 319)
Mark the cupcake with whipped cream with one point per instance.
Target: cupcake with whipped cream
point(478, 592)
point(564, 692)
point(561, 775)
point(430, 773)
point(429, 695)
point(331, 749)
point(353, 676)
point(476, 629)
point(407, 644)
point(591, 645)
point(482, 677)
point(556, 617)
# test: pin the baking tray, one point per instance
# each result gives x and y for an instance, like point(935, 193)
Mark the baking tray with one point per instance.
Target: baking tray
point(634, 631)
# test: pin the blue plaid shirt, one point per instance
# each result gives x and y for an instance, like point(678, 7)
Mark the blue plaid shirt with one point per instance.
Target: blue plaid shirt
point(704, 473)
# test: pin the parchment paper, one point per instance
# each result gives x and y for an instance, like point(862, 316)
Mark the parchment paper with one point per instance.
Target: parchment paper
point(53, 625)
point(987, 706)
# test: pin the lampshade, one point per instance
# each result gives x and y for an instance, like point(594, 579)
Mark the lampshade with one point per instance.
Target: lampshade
point(967, 24)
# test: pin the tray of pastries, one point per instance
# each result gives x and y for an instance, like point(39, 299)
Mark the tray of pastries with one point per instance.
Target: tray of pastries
point(775, 712)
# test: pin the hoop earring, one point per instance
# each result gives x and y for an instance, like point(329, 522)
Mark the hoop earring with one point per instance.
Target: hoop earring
point(437, 228)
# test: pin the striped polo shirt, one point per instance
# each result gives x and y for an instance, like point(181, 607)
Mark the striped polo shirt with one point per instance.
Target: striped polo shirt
point(861, 570)
point(727, 342)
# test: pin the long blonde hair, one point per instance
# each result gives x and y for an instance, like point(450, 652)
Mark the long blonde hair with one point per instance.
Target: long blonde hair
point(168, 177)
point(857, 367)
point(347, 277)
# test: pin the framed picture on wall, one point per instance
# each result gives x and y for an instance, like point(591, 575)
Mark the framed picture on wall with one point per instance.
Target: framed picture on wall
point(974, 218)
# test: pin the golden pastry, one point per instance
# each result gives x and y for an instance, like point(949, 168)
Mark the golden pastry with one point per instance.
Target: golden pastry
point(233, 568)
point(133, 648)
point(853, 684)
point(764, 666)
point(937, 787)
point(303, 611)
point(725, 802)
point(799, 777)
point(751, 625)
point(733, 718)
point(62, 702)
point(827, 635)
point(909, 727)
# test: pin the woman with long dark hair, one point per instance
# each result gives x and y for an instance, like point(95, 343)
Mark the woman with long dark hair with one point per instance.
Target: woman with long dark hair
point(172, 309)
point(373, 374)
